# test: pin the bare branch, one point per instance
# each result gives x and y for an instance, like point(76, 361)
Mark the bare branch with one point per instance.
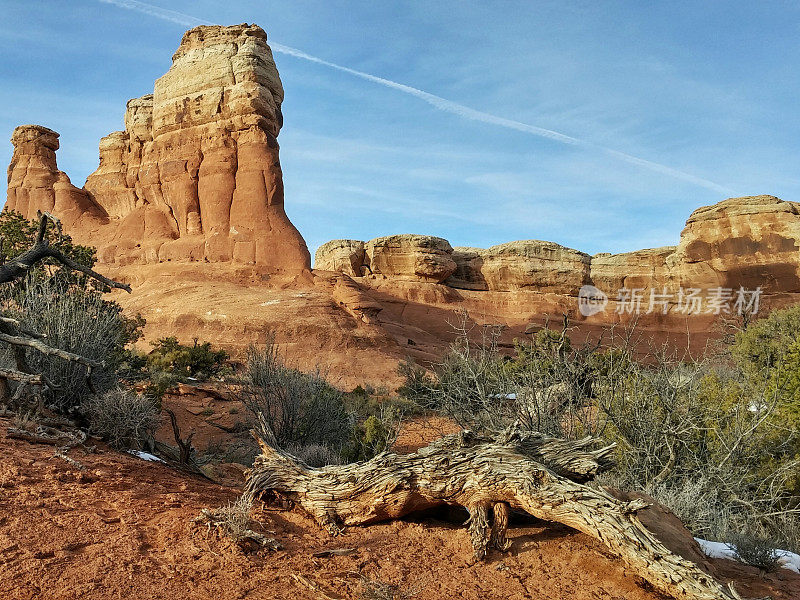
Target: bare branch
point(49, 350)
point(20, 376)
point(17, 267)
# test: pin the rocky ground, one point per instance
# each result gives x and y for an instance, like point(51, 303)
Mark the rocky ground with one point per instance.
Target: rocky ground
point(122, 527)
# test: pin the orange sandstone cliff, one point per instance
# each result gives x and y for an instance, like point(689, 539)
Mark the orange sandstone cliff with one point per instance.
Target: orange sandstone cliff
point(195, 175)
point(747, 242)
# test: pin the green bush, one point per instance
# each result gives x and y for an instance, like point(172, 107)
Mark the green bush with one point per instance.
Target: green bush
point(303, 414)
point(78, 320)
point(755, 550)
point(198, 360)
point(18, 235)
point(373, 435)
point(417, 383)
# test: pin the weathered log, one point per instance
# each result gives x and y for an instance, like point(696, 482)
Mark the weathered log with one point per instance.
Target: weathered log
point(48, 435)
point(531, 472)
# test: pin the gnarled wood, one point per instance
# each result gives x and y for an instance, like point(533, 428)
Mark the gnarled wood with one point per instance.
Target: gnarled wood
point(41, 249)
point(531, 472)
point(37, 344)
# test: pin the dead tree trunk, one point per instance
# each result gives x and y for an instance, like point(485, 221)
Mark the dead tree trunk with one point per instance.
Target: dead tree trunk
point(542, 476)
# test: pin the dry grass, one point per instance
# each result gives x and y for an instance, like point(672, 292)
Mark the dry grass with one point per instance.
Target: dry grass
point(374, 589)
point(122, 417)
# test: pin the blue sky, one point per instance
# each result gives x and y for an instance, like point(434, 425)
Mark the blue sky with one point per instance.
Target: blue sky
point(706, 92)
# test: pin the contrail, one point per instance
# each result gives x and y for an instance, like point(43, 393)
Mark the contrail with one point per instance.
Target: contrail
point(437, 101)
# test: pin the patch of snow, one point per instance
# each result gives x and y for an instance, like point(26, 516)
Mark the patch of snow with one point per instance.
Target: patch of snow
point(269, 302)
point(787, 560)
point(145, 456)
point(716, 549)
point(511, 396)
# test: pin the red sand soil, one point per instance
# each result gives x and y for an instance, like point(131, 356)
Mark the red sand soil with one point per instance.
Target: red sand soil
point(123, 529)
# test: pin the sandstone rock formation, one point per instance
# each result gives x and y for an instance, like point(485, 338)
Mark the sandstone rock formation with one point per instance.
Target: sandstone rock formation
point(195, 175)
point(35, 183)
point(639, 269)
point(744, 242)
point(468, 274)
point(410, 258)
point(544, 266)
point(345, 256)
point(751, 241)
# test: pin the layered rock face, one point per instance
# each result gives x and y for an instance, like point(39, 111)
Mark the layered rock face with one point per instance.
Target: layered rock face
point(639, 269)
point(401, 257)
point(410, 257)
point(345, 256)
point(751, 241)
point(468, 274)
point(35, 184)
point(744, 242)
point(195, 175)
point(544, 266)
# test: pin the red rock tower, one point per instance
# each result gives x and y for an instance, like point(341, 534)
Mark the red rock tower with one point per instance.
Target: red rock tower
point(195, 175)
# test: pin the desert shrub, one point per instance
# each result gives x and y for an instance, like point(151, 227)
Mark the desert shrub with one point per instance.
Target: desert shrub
point(76, 319)
point(158, 384)
point(762, 345)
point(417, 382)
point(471, 384)
point(67, 307)
point(697, 504)
point(373, 435)
point(755, 550)
point(234, 519)
point(304, 414)
point(315, 455)
point(197, 360)
point(375, 589)
point(545, 385)
point(242, 450)
point(122, 417)
point(702, 441)
point(377, 421)
point(293, 408)
point(367, 401)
